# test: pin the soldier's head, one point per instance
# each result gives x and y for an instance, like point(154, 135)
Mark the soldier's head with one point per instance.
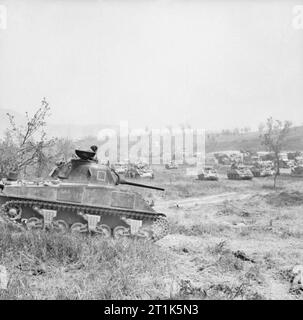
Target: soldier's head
point(94, 148)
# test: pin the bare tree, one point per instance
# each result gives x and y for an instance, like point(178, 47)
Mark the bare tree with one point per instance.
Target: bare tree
point(26, 145)
point(273, 138)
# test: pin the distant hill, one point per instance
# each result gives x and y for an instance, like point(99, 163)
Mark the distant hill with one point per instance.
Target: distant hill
point(214, 142)
point(251, 141)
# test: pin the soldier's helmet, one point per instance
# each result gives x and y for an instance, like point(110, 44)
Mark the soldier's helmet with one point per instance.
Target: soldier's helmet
point(94, 148)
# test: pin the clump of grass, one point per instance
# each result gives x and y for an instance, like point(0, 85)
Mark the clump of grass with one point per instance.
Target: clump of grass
point(188, 291)
point(232, 291)
point(219, 291)
point(41, 245)
point(254, 274)
point(218, 248)
point(286, 233)
point(198, 229)
point(228, 262)
point(47, 265)
point(285, 198)
point(228, 208)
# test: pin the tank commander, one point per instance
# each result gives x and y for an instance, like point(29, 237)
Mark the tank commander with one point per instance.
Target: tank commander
point(94, 149)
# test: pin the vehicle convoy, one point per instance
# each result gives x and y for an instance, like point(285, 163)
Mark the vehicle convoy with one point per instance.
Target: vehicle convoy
point(83, 196)
point(239, 172)
point(208, 173)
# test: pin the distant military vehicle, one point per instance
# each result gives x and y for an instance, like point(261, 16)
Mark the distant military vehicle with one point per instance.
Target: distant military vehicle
point(82, 196)
point(222, 158)
point(120, 168)
point(297, 171)
point(284, 164)
point(171, 165)
point(262, 170)
point(208, 173)
point(132, 171)
point(239, 172)
point(140, 169)
point(146, 173)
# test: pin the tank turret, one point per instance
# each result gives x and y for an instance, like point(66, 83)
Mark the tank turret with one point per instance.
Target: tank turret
point(86, 169)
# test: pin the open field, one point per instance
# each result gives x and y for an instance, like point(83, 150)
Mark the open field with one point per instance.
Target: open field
point(228, 240)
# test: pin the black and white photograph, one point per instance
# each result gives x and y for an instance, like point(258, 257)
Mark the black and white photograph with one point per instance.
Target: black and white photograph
point(151, 151)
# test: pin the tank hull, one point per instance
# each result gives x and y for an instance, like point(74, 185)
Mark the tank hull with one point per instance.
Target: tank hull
point(233, 175)
point(100, 209)
point(208, 177)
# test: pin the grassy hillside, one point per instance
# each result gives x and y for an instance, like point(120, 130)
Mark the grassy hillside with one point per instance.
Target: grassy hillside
point(214, 142)
point(251, 141)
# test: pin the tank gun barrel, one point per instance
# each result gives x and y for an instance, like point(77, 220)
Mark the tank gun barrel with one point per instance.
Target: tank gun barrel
point(122, 181)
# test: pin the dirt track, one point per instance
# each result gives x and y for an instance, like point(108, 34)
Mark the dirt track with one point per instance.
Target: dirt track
point(193, 201)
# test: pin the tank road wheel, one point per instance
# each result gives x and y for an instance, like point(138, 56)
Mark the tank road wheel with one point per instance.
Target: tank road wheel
point(160, 229)
point(103, 230)
point(14, 213)
point(11, 219)
point(34, 223)
point(120, 232)
point(79, 227)
point(144, 233)
point(60, 226)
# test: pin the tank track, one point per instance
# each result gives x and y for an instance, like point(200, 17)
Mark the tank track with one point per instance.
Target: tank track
point(159, 224)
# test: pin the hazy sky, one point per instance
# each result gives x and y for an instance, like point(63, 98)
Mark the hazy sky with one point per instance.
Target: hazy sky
point(213, 64)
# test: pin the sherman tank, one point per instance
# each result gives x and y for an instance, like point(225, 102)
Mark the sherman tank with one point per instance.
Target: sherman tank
point(259, 170)
point(171, 165)
point(239, 173)
point(82, 196)
point(209, 174)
